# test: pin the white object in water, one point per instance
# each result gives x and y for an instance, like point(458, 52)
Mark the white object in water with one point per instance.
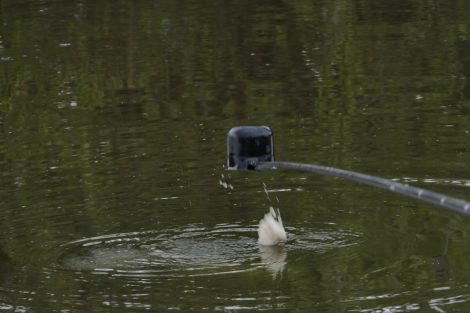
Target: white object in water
point(270, 230)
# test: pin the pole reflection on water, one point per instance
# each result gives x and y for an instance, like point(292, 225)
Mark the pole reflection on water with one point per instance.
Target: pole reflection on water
point(6, 268)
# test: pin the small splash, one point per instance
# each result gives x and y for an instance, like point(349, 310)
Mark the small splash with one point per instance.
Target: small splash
point(224, 182)
point(265, 189)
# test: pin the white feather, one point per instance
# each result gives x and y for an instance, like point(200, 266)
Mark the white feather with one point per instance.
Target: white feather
point(270, 230)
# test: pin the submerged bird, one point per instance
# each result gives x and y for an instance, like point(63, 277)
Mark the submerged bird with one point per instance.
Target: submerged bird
point(270, 230)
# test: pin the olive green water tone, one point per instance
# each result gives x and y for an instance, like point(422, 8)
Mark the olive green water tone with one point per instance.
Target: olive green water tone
point(115, 194)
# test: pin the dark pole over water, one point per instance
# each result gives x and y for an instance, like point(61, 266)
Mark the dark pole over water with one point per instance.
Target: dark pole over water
point(252, 148)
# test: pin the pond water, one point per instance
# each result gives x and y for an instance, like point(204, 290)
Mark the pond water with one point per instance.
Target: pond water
point(114, 190)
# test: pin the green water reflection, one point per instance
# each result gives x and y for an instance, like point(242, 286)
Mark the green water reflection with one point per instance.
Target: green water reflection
point(113, 121)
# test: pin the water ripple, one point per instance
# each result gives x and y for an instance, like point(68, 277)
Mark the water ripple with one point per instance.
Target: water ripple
point(181, 251)
point(193, 250)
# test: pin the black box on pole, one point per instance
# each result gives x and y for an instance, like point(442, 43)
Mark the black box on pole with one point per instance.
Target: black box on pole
point(248, 145)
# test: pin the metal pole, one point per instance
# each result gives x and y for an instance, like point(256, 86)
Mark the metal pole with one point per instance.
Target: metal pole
point(437, 199)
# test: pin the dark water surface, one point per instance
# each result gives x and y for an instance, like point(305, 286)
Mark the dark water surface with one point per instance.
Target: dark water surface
point(113, 120)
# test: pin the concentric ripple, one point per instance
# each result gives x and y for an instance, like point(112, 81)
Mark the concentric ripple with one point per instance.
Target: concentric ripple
point(193, 250)
point(188, 250)
point(321, 238)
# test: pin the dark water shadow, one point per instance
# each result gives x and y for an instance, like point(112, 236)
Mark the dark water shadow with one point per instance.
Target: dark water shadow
point(6, 267)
